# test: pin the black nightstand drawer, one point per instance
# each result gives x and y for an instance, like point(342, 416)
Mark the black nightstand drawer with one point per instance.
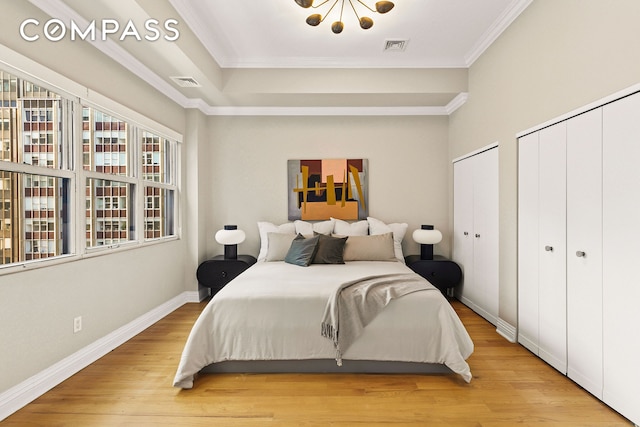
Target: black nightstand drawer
point(216, 272)
point(441, 272)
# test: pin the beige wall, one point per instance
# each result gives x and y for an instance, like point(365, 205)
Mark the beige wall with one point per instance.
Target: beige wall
point(247, 176)
point(37, 305)
point(557, 56)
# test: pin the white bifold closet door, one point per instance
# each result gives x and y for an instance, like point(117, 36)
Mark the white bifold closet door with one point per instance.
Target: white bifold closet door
point(486, 233)
point(584, 250)
point(476, 231)
point(552, 287)
point(621, 255)
point(579, 249)
point(528, 241)
point(463, 227)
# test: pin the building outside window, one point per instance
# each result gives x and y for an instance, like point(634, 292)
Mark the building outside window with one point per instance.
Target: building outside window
point(159, 175)
point(106, 150)
point(119, 164)
point(31, 133)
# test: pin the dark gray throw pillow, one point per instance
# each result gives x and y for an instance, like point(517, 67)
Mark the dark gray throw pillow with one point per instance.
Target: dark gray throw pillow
point(330, 250)
point(302, 250)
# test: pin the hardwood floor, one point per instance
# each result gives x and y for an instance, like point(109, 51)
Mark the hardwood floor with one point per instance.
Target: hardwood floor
point(132, 386)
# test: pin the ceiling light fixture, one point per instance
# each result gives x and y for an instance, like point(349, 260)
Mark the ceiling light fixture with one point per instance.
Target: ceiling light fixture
point(338, 26)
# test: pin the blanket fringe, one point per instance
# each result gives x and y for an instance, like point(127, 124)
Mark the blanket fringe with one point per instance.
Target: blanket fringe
point(328, 331)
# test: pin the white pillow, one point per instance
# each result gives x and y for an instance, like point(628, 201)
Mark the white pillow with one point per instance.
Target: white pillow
point(307, 228)
point(344, 228)
point(267, 227)
point(398, 229)
point(279, 244)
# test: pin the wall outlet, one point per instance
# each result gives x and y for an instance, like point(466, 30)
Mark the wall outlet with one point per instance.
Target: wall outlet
point(77, 324)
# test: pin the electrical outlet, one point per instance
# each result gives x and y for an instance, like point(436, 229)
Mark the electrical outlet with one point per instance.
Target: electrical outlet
point(77, 324)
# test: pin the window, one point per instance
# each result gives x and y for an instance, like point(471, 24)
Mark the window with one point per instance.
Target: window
point(127, 175)
point(105, 151)
point(158, 169)
point(105, 142)
point(34, 179)
point(111, 207)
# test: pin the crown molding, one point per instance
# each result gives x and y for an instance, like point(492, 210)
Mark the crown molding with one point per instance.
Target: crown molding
point(502, 23)
point(337, 62)
point(456, 102)
point(326, 111)
point(199, 28)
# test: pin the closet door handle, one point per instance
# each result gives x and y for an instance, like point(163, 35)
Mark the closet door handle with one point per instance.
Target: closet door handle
point(581, 254)
point(548, 248)
point(466, 233)
point(477, 236)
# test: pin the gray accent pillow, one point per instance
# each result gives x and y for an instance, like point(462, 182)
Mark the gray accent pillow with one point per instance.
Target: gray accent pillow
point(330, 250)
point(302, 250)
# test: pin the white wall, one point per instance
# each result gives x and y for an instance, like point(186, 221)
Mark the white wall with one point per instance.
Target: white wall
point(247, 169)
point(557, 56)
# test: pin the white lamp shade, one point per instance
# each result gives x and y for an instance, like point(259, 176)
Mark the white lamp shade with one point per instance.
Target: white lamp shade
point(230, 237)
point(427, 237)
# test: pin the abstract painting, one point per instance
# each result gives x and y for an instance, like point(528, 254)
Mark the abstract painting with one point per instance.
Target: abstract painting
point(320, 189)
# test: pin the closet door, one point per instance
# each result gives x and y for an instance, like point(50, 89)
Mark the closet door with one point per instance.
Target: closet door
point(621, 255)
point(475, 241)
point(463, 225)
point(485, 233)
point(552, 290)
point(528, 241)
point(584, 250)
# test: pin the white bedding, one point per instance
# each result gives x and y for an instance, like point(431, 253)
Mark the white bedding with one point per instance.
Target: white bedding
point(273, 311)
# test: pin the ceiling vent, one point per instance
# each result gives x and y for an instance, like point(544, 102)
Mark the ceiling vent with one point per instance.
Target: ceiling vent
point(395, 45)
point(186, 81)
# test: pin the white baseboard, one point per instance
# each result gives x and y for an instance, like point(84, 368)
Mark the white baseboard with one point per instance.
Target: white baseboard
point(479, 310)
point(507, 330)
point(34, 387)
point(529, 344)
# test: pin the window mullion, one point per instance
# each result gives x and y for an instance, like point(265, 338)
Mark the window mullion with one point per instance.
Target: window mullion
point(110, 177)
point(81, 181)
point(140, 189)
point(35, 170)
point(159, 185)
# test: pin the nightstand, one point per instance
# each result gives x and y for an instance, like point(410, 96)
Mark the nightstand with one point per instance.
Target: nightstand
point(443, 273)
point(216, 272)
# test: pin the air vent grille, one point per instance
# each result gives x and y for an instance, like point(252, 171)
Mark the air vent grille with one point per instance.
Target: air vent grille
point(186, 81)
point(395, 45)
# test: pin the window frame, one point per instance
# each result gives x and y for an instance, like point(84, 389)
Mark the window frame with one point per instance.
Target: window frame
point(71, 167)
point(171, 185)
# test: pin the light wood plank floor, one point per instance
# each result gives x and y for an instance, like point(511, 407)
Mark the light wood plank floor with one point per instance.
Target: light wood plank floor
point(131, 386)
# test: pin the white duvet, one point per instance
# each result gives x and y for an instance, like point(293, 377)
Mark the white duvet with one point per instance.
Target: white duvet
point(273, 311)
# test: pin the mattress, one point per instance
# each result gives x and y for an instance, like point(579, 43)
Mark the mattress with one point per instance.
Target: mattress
point(273, 312)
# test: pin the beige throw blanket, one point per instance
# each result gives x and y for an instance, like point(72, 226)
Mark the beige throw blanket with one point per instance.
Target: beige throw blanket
point(356, 303)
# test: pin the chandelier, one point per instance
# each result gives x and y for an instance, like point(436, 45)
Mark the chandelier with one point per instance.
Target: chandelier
point(338, 26)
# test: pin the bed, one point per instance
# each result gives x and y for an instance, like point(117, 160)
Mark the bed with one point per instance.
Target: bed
point(270, 318)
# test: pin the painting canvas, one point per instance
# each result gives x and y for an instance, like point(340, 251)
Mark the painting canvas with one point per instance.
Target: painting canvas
point(325, 188)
